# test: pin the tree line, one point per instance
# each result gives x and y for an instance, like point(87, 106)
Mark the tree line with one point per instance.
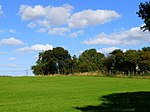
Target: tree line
point(59, 61)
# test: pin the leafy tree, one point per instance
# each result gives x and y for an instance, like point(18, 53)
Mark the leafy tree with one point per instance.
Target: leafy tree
point(53, 61)
point(144, 14)
point(90, 60)
point(146, 49)
point(131, 60)
point(108, 63)
point(144, 64)
point(122, 62)
point(118, 57)
point(75, 67)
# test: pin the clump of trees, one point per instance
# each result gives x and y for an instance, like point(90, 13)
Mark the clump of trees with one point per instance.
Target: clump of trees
point(59, 61)
point(130, 62)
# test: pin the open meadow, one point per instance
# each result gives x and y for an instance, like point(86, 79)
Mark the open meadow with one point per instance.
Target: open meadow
point(74, 94)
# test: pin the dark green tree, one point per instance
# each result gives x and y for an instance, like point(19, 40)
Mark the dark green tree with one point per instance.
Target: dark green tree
point(53, 61)
point(130, 62)
point(122, 62)
point(118, 57)
point(108, 63)
point(144, 14)
point(90, 60)
point(146, 49)
point(144, 65)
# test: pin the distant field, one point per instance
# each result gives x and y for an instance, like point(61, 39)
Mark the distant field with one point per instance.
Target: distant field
point(67, 93)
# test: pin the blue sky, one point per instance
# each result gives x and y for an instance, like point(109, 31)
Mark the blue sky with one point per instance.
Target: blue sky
point(31, 26)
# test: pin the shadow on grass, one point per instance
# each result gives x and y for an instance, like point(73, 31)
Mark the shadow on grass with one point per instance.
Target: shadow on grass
point(121, 102)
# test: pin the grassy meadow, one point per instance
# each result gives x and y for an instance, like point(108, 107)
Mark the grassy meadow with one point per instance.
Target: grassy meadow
point(73, 94)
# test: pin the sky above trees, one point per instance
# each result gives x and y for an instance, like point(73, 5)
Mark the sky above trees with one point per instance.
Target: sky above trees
point(31, 26)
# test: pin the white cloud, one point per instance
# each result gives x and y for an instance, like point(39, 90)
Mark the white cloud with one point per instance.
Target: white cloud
point(76, 34)
point(44, 23)
point(31, 25)
point(3, 52)
point(11, 41)
point(59, 15)
point(36, 47)
point(31, 13)
point(134, 36)
point(80, 52)
point(90, 17)
point(42, 30)
point(58, 31)
point(12, 58)
point(61, 19)
point(52, 15)
point(1, 11)
point(107, 50)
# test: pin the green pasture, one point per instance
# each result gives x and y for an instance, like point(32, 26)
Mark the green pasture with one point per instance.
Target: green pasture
point(73, 94)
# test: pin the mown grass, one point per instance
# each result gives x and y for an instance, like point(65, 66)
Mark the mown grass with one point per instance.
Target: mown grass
point(61, 93)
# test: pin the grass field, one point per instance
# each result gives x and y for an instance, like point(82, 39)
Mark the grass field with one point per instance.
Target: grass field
point(72, 94)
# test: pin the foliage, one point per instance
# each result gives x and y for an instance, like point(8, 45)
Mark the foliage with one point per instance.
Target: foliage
point(59, 61)
point(130, 62)
point(90, 60)
point(53, 61)
point(144, 14)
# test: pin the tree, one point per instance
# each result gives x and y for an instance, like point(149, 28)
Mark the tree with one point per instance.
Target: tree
point(146, 49)
point(90, 60)
point(118, 57)
point(53, 61)
point(122, 62)
point(144, 14)
point(131, 61)
point(144, 65)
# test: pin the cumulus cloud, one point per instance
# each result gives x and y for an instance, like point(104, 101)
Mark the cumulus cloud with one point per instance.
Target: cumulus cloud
point(52, 15)
point(58, 31)
point(11, 41)
point(31, 13)
point(44, 23)
point(1, 11)
point(36, 47)
point(42, 30)
point(31, 25)
point(134, 36)
point(61, 19)
point(90, 17)
point(107, 50)
point(75, 34)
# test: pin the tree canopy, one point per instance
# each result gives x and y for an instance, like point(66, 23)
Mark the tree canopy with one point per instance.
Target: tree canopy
point(144, 14)
point(53, 61)
point(59, 61)
point(90, 60)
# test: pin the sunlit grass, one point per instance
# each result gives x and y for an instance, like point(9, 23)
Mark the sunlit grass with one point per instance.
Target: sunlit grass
point(61, 93)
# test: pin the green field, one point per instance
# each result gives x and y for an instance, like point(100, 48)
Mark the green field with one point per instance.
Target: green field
point(73, 94)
